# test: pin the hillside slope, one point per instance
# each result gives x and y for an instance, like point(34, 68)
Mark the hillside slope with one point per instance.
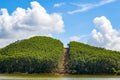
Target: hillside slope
point(35, 55)
point(85, 59)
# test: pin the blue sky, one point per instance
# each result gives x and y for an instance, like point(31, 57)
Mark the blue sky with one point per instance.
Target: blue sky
point(78, 20)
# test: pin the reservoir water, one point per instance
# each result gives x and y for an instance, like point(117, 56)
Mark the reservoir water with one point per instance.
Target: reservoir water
point(57, 77)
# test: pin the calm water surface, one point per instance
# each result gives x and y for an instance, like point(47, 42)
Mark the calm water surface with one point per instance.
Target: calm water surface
point(56, 77)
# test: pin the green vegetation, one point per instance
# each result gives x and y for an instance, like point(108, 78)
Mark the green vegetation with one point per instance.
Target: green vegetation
point(117, 72)
point(42, 55)
point(34, 55)
point(85, 59)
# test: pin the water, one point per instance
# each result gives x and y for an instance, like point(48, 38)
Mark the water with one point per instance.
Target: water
point(56, 77)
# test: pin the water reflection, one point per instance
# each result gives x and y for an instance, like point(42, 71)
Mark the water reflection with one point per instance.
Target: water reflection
point(20, 78)
point(92, 79)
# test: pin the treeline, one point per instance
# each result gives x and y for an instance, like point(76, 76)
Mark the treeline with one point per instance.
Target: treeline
point(35, 55)
point(85, 59)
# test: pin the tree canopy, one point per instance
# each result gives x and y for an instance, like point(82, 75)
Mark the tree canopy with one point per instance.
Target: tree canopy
point(34, 55)
point(86, 59)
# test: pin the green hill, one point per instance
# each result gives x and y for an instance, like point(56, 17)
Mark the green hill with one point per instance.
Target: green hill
point(85, 59)
point(35, 55)
point(43, 55)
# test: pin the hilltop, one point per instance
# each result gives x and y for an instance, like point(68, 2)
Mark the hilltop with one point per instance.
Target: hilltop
point(34, 55)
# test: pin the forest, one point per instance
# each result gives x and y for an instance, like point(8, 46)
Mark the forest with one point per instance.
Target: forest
point(86, 59)
point(41, 54)
point(34, 55)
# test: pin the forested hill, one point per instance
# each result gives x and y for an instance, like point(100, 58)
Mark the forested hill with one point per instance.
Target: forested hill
point(35, 55)
point(32, 45)
point(45, 55)
point(86, 59)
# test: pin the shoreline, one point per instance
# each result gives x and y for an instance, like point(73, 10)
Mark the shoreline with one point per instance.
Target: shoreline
point(50, 75)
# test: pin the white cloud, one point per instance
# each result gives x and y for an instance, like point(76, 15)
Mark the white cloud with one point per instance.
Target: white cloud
point(105, 35)
point(74, 38)
point(85, 7)
point(58, 5)
point(23, 23)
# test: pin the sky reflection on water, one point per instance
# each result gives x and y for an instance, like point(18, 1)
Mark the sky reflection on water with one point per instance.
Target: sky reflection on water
point(92, 79)
point(20, 78)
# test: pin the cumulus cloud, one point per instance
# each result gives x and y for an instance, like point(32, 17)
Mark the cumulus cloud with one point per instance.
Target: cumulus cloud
point(88, 6)
point(23, 23)
point(74, 38)
point(58, 5)
point(105, 35)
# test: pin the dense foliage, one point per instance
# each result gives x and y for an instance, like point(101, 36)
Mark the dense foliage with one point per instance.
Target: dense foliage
point(35, 55)
point(85, 59)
